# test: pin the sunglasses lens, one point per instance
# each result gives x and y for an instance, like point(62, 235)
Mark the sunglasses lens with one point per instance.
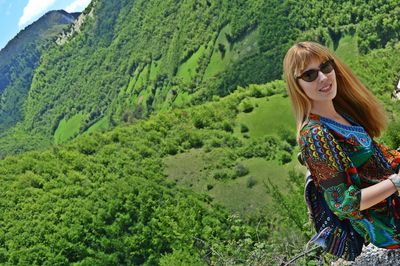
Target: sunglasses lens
point(310, 75)
point(326, 67)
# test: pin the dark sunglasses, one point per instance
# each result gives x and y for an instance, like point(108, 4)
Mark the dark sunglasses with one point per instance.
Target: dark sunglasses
point(312, 74)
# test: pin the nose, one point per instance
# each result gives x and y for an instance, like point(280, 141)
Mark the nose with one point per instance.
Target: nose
point(322, 76)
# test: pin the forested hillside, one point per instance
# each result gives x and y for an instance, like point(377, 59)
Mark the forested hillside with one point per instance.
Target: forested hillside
point(163, 134)
point(19, 59)
point(105, 199)
point(131, 58)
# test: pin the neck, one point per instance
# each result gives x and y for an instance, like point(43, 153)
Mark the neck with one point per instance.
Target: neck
point(326, 109)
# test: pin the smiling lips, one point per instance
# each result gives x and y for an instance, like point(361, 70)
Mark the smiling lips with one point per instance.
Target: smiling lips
point(326, 88)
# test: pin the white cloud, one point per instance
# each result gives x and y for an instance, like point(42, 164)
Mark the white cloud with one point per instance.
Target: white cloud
point(77, 6)
point(33, 9)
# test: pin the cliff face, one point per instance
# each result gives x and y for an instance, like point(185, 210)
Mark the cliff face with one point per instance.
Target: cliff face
point(76, 26)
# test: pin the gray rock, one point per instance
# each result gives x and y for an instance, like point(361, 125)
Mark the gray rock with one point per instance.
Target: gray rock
point(372, 255)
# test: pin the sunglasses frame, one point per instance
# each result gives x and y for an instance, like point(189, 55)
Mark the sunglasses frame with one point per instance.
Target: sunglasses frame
point(327, 62)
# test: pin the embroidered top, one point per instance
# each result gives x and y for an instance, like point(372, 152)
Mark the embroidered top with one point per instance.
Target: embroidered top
point(344, 159)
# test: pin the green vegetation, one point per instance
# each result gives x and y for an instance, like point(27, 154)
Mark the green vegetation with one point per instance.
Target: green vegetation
point(105, 198)
point(197, 164)
point(188, 69)
point(67, 129)
point(19, 59)
point(273, 116)
point(122, 66)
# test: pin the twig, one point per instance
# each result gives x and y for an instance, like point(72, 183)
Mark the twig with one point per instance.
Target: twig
point(300, 255)
point(210, 247)
point(258, 225)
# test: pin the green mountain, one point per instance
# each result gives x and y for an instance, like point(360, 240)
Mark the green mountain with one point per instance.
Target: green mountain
point(196, 167)
point(131, 58)
point(19, 59)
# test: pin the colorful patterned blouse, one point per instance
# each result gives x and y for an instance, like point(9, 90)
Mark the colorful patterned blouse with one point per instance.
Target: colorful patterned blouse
point(344, 159)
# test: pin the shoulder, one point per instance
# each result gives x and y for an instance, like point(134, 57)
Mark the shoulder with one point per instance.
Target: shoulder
point(312, 128)
point(315, 132)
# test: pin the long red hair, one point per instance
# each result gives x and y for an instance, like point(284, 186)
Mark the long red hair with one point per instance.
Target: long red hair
point(352, 97)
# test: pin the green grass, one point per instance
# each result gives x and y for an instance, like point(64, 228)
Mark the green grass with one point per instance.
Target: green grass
point(132, 81)
point(272, 115)
point(181, 99)
point(192, 170)
point(142, 78)
point(347, 49)
point(187, 71)
point(100, 125)
point(246, 47)
point(154, 70)
point(68, 129)
point(233, 52)
point(217, 62)
point(143, 96)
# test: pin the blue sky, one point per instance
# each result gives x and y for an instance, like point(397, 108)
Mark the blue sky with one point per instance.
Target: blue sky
point(15, 15)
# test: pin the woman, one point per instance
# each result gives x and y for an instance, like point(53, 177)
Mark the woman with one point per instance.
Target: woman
point(337, 119)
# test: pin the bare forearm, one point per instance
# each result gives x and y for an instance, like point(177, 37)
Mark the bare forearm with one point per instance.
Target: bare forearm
point(374, 194)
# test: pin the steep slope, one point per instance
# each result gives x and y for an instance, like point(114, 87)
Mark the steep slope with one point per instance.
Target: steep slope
point(132, 58)
point(19, 59)
point(104, 199)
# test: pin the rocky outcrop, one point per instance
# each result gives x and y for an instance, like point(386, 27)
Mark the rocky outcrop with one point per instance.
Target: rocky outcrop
point(372, 255)
point(76, 26)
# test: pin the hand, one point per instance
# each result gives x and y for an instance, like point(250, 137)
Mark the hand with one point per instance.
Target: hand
point(395, 178)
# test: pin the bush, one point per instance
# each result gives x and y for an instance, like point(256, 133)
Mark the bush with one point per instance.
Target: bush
point(251, 182)
point(181, 257)
point(241, 170)
point(223, 174)
point(247, 106)
point(256, 92)
point(287, 147)
point(200, 122)
point(289, 136)
point(214, 142)
point(286, 158)
point(392, 136)
point(170, 148)
point(195, 141)
point(244, 128)
point(227, 126)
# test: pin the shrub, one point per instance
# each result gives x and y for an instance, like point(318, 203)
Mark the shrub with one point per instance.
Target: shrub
point(200, 122)
point(251, 182)
point(285, 158)
point(247, 106)
point(288, 135)
point(392, 136)
point(241, 170)
point(195, 141)
point(223, 174)
point(170, 148)
point(256, 91)
point(244, 128)
point(227, 126)
point(287, 147)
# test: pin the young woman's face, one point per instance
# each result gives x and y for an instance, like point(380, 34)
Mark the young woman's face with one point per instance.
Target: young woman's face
point(324, 87)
